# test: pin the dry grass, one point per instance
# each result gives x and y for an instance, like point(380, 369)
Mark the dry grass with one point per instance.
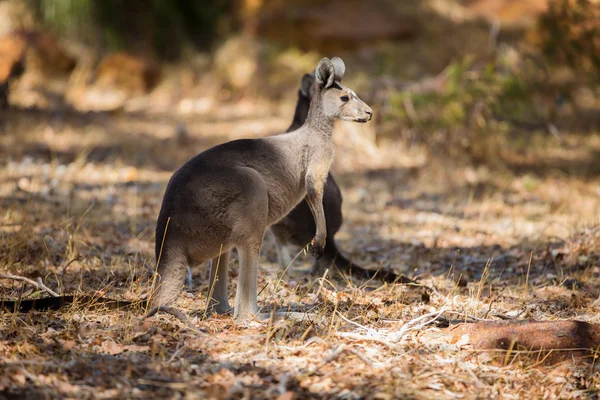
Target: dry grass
point(79, 195)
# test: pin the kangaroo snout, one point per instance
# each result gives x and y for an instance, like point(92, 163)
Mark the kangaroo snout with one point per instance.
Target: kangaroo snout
point(367, 115)
point(369, 112)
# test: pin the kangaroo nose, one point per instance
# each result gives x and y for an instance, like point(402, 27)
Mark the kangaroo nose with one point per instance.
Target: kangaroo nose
point(370, 113)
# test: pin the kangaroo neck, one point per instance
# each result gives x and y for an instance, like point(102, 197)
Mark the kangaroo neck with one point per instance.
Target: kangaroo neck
point(317, 122)
point(301, 112)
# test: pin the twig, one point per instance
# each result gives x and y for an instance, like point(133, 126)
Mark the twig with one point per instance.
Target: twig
point(369, 330)
point(177, 352)
point(46, 288)
point(39, 284)
point(67, 265)
point(410, 325)
point(334, 355)
point(361, 356)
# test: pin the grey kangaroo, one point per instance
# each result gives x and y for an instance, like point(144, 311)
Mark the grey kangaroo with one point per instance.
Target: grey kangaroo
point(228, 195)
point(298, 227)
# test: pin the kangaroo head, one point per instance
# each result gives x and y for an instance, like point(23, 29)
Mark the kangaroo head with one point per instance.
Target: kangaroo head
point(337, 100)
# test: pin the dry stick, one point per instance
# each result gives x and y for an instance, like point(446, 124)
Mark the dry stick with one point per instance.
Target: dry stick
point(369, 330)
point(177, 352)
point(334, 355)
point(155, 275)
point(62, 271)
point(46, 288)
point(410, 325)
point(213, 283)
point(528, 271)
point(39, 284)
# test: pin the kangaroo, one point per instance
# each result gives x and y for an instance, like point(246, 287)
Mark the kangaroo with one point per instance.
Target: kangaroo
point(228, 195)
point(297, 228)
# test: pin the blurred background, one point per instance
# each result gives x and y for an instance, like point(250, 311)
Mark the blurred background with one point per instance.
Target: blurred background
point(475, 80)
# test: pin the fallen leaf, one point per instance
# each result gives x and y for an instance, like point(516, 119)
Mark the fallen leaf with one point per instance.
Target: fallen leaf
point(68, 344)
point(112, 348)
point(136, 348)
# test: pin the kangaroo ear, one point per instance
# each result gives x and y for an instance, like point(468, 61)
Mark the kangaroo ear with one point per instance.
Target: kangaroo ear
point(325, 73)
point(340, 68)
point(307, 86)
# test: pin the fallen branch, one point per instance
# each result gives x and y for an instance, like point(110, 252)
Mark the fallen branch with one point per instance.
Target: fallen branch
point(39, 284)
point(558, 339)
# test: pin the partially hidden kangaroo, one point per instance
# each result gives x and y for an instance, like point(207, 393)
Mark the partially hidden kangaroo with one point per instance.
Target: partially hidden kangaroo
point(228, 195)
point(298, 227)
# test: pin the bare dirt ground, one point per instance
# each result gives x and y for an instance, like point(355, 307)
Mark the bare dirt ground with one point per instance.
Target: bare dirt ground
point(79, 194)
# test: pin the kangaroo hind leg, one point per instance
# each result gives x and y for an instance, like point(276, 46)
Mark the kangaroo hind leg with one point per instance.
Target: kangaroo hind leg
point(218, 293)
point(245, 297)
point(171, 274)
point(249, 216)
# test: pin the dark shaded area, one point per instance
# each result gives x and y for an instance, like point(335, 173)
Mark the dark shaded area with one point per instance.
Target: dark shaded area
point(585, 168)
point(163, 28)
point(56, 303)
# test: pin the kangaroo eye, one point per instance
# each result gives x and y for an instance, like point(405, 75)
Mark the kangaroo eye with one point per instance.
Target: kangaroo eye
point(345, 99)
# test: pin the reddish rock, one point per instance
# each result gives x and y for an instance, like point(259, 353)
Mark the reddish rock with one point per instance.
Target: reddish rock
point(551, 341)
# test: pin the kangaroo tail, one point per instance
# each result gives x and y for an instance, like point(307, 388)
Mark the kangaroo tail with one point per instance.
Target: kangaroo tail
point(385, 275)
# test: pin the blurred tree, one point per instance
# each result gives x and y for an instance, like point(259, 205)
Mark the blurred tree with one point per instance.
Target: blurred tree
point(161, 27)
point(569, 33)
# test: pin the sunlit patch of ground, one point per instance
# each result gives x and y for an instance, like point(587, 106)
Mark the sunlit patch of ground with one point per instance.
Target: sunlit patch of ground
point(79, 195)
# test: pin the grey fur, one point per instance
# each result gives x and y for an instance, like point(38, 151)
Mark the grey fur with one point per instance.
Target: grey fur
point(339, 67)
point(325, 74)
point(228, 195)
